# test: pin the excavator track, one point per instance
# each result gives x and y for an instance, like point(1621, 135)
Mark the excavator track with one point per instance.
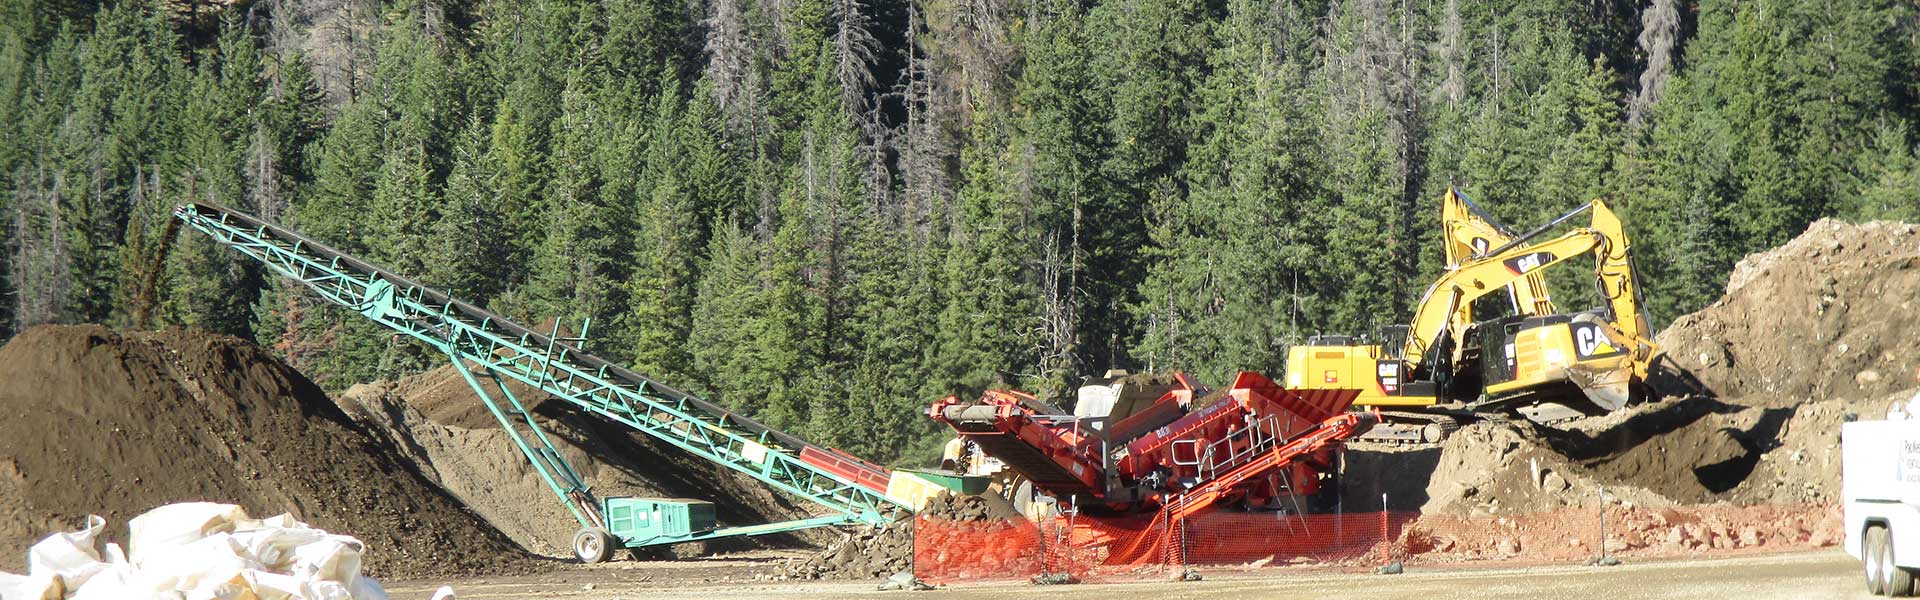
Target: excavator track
point(1414, 428)
point(1431, 427)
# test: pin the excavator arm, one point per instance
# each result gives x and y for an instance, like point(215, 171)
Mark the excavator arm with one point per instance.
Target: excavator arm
point(1470, 280)
point(1621, 286)
point(1469, 232)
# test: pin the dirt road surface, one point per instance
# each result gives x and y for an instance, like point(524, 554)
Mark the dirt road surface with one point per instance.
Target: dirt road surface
point(1821, 575)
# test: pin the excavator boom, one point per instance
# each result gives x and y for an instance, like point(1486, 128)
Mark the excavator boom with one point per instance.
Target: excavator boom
point(1469, 281)
point(1469, 232)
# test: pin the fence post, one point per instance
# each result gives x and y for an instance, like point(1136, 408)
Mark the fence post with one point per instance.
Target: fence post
point(1603, 523)
point(1386, 543)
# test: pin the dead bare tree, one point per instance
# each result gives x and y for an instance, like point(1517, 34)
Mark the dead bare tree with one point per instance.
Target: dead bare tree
point(1452, 56)
point(730, 61)
point(1659, 35)
point(1059, 327)
point(40, 265)
point(926, 144)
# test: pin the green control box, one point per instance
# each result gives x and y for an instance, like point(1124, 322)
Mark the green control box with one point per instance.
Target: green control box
point(639, 520)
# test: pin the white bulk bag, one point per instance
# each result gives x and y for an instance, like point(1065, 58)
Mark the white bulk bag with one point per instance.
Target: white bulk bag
point(72, 556)
point(166, 528)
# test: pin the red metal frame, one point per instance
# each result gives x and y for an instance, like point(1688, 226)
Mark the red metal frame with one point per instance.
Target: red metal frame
point(865, 474)
point(1267, 431)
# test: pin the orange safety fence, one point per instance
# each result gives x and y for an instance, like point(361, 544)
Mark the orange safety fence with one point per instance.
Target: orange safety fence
point(1118, 548)
point(948, 551)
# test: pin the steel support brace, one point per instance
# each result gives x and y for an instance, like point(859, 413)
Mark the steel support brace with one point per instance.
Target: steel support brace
point(547, 460)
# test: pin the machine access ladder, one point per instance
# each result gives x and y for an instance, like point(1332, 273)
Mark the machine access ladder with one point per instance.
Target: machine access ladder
point(487, 350)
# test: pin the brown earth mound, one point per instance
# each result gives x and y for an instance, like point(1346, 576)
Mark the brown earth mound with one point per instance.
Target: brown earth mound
point(1691, 451)
point(110, 424)
point(1830, 314)
point(447, 433)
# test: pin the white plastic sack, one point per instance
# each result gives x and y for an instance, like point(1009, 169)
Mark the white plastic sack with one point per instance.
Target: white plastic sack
point(273, 546)
point(30, 587)
point(201, 565)
point(197, 551)
point(10, 584)
point(162, 530)
point(73, 556)
point(336, 558)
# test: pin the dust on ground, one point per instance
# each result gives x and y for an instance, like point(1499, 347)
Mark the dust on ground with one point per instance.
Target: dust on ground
point(104, 423)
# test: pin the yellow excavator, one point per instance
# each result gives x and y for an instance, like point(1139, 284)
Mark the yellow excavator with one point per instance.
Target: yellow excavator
point(1443, 365)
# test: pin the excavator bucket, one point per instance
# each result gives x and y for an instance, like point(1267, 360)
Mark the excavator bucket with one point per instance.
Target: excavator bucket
point(1609, 388)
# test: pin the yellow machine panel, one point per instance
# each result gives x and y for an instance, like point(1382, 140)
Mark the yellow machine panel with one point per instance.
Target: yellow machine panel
point(1364, 367)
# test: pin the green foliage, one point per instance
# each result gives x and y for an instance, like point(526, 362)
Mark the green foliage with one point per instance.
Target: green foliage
point(827, 213)
point(1222, 287)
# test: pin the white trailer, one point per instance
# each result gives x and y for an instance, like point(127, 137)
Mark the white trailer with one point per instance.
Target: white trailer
point(1880, 484)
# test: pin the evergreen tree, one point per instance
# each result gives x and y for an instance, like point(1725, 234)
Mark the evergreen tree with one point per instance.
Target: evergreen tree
point(577, 268)
point(1147, 56)
point(474, 245)
point(1061, 124)
point(116, 128)
point(990, 306)
point(344, 169)
point(661, 292)
point(1228, 259)
point(1893, 180)
point(212, 288)
point(721, 340)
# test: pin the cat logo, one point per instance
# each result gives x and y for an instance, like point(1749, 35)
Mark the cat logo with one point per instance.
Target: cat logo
point(1388, 374)
point(1526, 263)
point(1589, 342)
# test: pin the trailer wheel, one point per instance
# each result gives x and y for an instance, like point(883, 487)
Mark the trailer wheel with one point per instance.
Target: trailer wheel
point(1873, 559)
point(1899, 581)
point(593, 545)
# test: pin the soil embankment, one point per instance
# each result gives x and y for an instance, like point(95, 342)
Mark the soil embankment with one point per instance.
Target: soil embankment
point(99, 422)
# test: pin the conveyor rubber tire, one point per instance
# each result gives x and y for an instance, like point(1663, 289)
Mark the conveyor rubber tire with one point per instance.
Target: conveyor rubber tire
point(593, 545)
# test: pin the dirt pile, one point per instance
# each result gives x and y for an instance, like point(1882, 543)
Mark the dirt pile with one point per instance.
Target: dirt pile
point(1488, 468)
point(446, 432)
point(1573, 534)
point(1679, 452)
point(1829, 314)
point(883, 551)
point(864, 553)
point(110, 424)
